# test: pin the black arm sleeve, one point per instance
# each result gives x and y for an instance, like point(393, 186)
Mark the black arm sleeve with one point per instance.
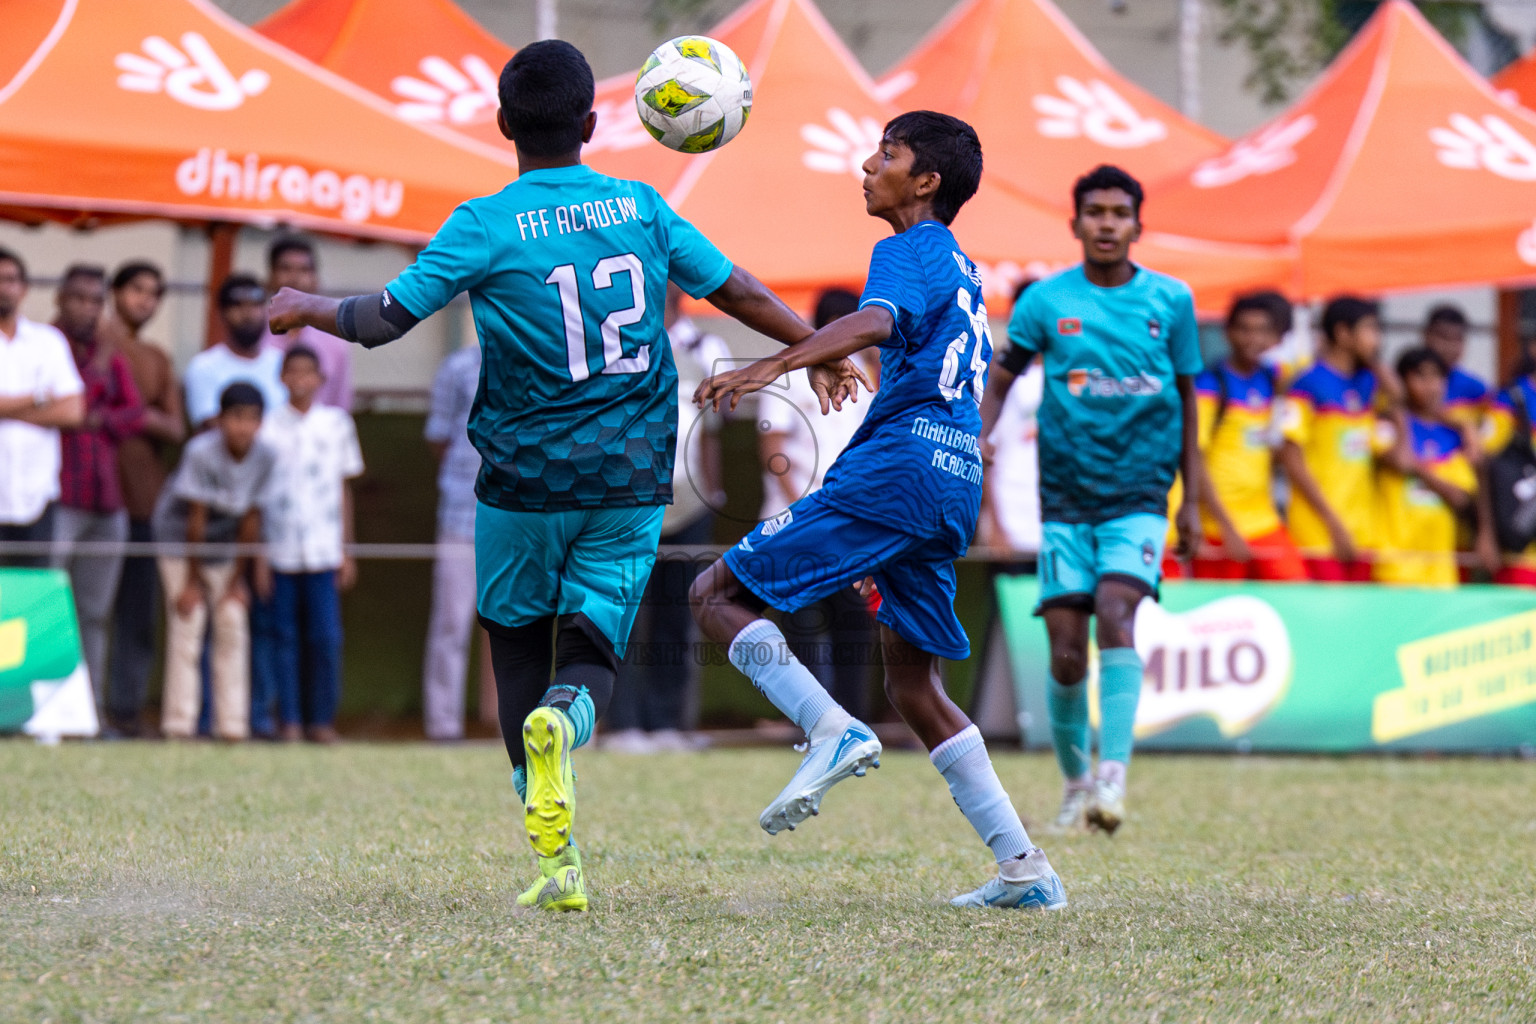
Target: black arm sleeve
point(1015, 359)
point(373, 320)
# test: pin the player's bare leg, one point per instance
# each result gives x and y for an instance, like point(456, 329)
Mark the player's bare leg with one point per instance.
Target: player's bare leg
point(915, 686)
point(838, 745)
point(1067, 704)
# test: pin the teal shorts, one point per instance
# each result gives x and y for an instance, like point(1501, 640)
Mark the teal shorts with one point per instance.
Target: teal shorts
point(529, 565)
point(1075, 557)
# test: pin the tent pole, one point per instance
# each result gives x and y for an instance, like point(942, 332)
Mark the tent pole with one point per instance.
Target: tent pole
point(221, 261)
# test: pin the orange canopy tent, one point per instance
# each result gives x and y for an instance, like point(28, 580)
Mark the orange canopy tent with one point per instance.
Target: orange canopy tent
point(444, 69)
point(168, 108)
point(1401, 168)
point(1519, 80)
point(785, 196)
point(1046, 104)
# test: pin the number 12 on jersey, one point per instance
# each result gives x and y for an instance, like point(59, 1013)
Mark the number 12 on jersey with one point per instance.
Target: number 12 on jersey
point(950, 384)
point(565, 278)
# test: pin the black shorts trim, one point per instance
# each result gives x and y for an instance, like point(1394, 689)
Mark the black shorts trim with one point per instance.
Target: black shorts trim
point(1134, 582)
point(1076, 602)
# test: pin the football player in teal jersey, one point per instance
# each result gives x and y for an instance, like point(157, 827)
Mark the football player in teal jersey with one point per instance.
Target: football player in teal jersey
point(1120, 351)
point(575, 418)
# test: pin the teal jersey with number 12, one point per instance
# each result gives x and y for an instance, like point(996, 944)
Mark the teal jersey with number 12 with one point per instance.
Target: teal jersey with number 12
point(567, 272)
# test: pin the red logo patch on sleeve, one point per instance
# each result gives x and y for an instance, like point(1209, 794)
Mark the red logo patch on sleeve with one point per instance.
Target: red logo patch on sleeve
point(1069, 325)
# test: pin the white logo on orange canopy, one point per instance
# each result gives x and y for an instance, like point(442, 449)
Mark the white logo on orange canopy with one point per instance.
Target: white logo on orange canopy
point(1488, 143)
point(618, 128)
point(193, 75)
point(1267, 152)
point(462, 94)
point(843, 148)
point(1096, 111)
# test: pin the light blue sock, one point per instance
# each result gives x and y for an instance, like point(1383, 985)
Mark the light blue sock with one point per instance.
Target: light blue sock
point(578, 708)
point(1119, 692)
point(762, 654)
point(520, 782)
point(962, 760)
point(1068, 708)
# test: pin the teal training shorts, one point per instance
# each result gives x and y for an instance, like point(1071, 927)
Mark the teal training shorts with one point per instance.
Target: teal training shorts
point(529, 565)
point(1074, 557)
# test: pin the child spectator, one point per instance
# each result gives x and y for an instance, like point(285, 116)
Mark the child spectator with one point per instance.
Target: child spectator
point(1427, 480)
point(214, 497)
point(1466, 397)
point(1236, 396)
point(1511, 415)
point(1328, 424)
point(308, 516)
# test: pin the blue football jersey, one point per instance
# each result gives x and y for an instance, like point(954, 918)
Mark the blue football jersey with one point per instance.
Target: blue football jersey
point(915, 462)
point(567, 274)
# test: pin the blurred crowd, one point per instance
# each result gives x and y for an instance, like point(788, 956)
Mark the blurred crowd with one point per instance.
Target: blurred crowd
point(1346, 468)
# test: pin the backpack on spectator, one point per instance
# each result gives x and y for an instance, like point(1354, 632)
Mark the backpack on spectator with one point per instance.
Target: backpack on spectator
point(1512, 482)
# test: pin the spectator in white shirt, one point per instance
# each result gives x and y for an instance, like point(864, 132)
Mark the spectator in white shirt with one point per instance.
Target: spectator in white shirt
point(308, 516)
point(240, 357)
point(835, 637)
point(40, 391)
point(291, 263)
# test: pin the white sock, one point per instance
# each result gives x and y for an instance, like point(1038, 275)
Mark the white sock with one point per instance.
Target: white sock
point(830, 725)
point(1112, 772)
point(1031, 867)
point(763, 656)
point(962, 760)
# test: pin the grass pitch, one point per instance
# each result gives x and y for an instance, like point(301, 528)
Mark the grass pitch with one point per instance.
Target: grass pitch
point(376, 882)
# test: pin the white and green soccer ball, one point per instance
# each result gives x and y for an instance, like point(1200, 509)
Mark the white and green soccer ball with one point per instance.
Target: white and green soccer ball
point(693, 94)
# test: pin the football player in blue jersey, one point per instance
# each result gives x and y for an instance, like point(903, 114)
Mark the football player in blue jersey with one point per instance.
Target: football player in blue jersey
point(899, 505)
point(1120, 350)
point(575, 418)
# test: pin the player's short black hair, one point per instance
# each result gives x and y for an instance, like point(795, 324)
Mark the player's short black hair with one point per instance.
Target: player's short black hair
point(241, 395)
point(7, 256)
point(1448, 314)
point(1415, 359)
point(546, 93)
point(90, 271)
point(834, 304)
point(240, 288)
point(1272, 304)
point(1107, 176)
point(1346, 311)
point(134, 268)
point(1022, 287)
point(301, 352)
point(290, 243)
point(946, 145)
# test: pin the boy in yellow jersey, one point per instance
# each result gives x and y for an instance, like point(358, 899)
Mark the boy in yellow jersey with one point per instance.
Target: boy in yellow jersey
point(1427, 480)
point(1328, 423)
point(1504, 419)
point(1236, 395)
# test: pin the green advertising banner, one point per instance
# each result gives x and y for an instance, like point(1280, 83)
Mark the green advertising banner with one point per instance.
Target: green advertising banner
point(39, 643)
point(1310, 667)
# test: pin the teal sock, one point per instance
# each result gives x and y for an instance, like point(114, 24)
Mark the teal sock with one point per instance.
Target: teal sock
point(520, 782)
point(1119, 692)
point(576, 702)
point(1068, 708)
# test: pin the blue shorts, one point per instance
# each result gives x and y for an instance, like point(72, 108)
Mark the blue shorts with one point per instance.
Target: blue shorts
point(812, 549)
point(1074, 557)
point(529, 565)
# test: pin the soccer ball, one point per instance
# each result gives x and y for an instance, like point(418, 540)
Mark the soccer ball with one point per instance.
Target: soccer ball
point(693, 94)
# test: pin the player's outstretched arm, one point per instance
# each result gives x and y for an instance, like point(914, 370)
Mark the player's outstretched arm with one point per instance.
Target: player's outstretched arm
point(999, 382)
point(747, 299)
point(1188, 515)
point(834, 342)
point(368, 320)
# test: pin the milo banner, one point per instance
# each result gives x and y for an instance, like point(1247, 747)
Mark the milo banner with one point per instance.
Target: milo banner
point(1310, 667)
point(44, 688)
